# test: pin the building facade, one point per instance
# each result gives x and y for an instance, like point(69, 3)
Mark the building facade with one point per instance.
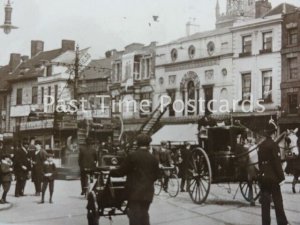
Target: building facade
point(290, 85)
point(132, 80)
point(257, 70)
point(195, 69)
point(30, 83)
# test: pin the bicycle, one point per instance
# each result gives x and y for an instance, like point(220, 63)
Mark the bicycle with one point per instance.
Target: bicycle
point(173, 184)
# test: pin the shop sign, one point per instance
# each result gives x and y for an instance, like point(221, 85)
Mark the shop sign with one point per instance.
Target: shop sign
point(35, 125)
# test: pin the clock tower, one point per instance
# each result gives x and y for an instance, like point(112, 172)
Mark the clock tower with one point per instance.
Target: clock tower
point(240, 10)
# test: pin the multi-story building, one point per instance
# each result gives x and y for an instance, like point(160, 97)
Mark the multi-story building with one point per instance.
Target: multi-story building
point(290, 84)
point(132, 81)
point(196, 67)
point(257, 70)
point(94, 90)
point(28, 115)
point(5, 73)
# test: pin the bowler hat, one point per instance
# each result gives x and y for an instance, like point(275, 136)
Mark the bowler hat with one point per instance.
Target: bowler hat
point(143, 140)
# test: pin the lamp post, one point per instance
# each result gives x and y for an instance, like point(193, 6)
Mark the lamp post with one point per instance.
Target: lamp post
point(7, 26)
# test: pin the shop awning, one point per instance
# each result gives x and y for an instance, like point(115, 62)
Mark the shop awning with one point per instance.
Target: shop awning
point(176, 133)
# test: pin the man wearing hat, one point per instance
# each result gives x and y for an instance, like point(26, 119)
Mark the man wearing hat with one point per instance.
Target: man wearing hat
point(272, 176)
point(163, 155)
point(38, 158)
point(141, 169)
point(87, 161)
point(21, 167)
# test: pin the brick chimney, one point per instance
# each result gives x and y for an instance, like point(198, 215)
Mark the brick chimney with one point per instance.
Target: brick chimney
point(262, 7)
point(67, 45)
point(24, 58)
point(36, 47)
point(14, 61)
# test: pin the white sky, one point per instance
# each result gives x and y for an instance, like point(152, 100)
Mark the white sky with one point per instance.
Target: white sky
point(103, 24)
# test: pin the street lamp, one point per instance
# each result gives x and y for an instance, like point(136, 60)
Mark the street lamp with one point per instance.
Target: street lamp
point(7, 26)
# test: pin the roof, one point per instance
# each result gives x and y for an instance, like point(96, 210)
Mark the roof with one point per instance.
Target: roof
point(281, 8)
point(94, 71)
point(176, 133)
point(4, 76)
point(31, 68)
point(201, 35)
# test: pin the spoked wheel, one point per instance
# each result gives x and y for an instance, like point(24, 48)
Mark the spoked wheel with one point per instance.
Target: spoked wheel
point(200, 176)
point(173, 185)
point(157, 187)
point(245, 188)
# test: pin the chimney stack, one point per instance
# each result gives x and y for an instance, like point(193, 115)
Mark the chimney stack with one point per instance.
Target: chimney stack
point(262, 7)
point(15, 60)
point(188, 28)
point(36, 47)
point(24, 58)
point(67, 45)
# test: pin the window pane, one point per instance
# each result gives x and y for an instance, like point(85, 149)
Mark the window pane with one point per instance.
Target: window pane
point(246, 86)
point(267, 85)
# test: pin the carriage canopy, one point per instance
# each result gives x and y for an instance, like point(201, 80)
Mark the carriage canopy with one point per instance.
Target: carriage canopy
point(176, 133)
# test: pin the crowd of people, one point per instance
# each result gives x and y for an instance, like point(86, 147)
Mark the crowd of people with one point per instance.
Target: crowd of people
point(142, 168)
point(28, 160)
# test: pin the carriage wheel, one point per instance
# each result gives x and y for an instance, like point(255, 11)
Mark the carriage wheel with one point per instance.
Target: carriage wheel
point(173, 185)
point(245, 190)
point(157, 186)
point(200, 176)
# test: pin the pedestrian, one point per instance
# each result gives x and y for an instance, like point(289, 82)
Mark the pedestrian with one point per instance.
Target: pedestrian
point(6, 176)
point(141, 169)
point(38, 158)
point(21, 168)
point(87, 161)
point(183, 168)
point(49, 172)
point(163, 155)
point(271, 177)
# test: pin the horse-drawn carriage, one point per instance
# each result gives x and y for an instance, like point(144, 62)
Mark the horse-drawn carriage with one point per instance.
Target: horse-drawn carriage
point(223, 156)
point(226, 155)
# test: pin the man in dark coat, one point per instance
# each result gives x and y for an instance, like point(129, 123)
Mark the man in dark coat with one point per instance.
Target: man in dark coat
point(38, 158)
point(272, 175)
point(6, 176)
point(163, 155)
point(184, 166)
point(141, 169)
point(87, 161)
point(21, 167)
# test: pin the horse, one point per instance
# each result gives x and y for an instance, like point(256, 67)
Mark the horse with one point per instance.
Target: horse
point(289, 153)
point(289, 150)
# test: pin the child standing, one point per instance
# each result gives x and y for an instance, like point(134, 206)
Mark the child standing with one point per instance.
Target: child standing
point(49, 170)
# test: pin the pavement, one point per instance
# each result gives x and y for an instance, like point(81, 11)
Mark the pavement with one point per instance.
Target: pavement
point(221, 207)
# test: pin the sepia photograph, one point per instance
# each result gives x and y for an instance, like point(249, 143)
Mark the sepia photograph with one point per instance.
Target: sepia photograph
point(149, 112)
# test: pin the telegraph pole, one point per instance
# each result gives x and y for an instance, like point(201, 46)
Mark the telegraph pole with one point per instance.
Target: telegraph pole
point(76, 72)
